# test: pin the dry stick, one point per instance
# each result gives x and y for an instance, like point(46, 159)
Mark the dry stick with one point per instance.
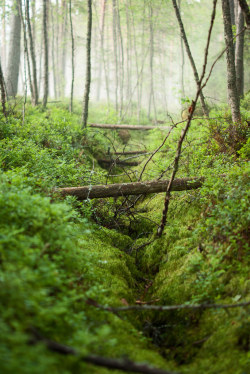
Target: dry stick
point(152, 155)
point(126, 127)
point(110, 363)
point(166, 308)
point(184, 132)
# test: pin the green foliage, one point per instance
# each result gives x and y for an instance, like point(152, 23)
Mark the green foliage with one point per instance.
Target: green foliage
point(55, 257)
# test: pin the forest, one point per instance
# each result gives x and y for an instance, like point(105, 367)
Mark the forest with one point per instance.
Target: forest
point(124, 186)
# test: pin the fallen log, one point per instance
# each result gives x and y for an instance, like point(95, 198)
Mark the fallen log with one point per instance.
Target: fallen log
point(126, 127)
point(104, 161)
point(125, 189)
point(128, 153)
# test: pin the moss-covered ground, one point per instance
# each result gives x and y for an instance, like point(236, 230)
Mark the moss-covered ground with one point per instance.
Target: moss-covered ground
point(59, 258)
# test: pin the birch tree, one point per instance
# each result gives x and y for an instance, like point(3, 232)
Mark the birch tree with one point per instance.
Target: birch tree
point(14, 52)
point(231, 73)
point(88, 67)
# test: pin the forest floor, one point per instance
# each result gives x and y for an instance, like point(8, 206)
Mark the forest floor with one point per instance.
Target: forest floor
point(66, 265)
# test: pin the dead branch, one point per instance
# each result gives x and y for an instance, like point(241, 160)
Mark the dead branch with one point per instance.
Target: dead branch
point(125, 189)
point(157, 150)
point(185, 130)
point(104, 161)
point(125, 153)
point(110, 363)
point(126, 127)
point(167, 308)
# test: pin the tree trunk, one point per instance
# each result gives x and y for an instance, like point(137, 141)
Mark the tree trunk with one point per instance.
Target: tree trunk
point(46, 53)
point(64, 40)
point(3, 47)
point(53, 52)
point(88, 67)
point(114, 10)
point(245, 10)
point(26, 49)
point(239, 53)
point(72, 57)
point(182, 61)
point(121, 64)
point(151, 64)
point(103, 12)
point(231, 74)
point(14, 52)
point(125, 189)
point(33, 56)
point(2, 90)
point(184, 37)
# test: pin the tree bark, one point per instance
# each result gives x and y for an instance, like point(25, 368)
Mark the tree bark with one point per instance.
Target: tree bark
point(72, 57)
point(231, 74)
point(114, 11)
point(2, 90)
point(103, 12)
point(182, 61)
point(3, 47)
point(14, 52)
point(151, 64)
point(121, 57)
point(32, 55)
point(127, 127)
point(184, 37)
point(239, 53)
point(46, 53)
point(26, 49)
point(246, 11)
point(53, 54)
point(136, 188)
point(88, 67)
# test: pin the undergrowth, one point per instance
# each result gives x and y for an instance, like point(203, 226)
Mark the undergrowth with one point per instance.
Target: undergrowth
point(60, 257)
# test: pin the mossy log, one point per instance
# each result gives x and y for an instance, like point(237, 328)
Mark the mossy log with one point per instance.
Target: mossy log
point(125, 189)
point(127, 127)
point(105, 162)
point(125, 153)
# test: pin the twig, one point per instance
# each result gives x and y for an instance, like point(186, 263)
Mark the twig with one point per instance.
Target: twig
point(184, 132)
point(166, 308)
point(152, 155)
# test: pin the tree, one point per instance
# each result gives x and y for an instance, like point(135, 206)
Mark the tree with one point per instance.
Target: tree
point(239, 53)
point(231, 74)
point(72, 57)
point(14, 52)
point(103, 13)
point(88, 67)
point(32, 54)
point(2, 90)
point(46, 53)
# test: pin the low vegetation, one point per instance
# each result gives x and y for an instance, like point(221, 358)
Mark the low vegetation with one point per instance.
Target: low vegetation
point(61, 258)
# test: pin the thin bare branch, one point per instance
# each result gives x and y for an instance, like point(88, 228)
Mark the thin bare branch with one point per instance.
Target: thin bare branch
point(185, 130)
point(167, 308)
